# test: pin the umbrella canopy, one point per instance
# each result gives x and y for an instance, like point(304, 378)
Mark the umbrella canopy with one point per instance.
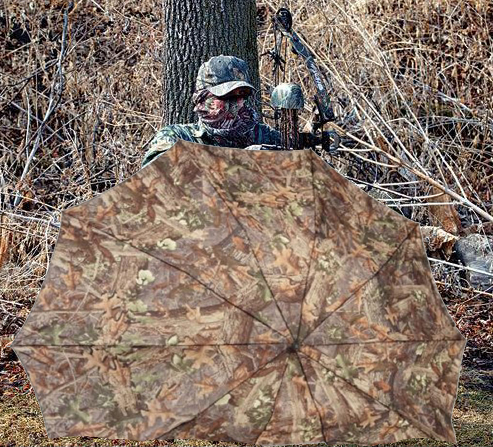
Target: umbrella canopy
point(246, 296)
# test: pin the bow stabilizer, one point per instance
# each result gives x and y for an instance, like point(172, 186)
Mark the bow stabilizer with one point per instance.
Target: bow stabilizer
point(291, 93)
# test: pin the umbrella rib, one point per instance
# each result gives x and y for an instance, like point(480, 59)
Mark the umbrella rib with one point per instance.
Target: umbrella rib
point(312, 396)
point(227, 392)
point(274, 404)
point(186, 273)
point(416, 424)
point(363, 283)
point(226, 202)
point(313, 248)
point(366, 342)
point(160, 345)
point(191, 276)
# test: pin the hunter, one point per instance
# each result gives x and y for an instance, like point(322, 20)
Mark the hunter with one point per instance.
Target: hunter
point(226, 116)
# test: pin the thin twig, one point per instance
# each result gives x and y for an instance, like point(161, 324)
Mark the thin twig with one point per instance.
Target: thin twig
point(32, 219)
point(55, 97)
point(471, 269)
point(467, 290)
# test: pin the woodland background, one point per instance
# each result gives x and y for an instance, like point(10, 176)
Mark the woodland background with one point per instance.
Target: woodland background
point(412, 85)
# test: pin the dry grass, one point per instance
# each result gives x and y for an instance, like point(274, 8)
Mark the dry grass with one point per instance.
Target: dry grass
point(21, 423)
point(412, 84)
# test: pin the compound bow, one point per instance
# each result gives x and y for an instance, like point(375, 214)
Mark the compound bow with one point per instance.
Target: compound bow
point(282, 100)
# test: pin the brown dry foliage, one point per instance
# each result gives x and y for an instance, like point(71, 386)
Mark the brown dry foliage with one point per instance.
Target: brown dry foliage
point(409, 80)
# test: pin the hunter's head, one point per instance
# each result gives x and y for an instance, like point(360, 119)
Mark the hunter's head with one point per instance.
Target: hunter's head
point(222, 99)
point(221, 75)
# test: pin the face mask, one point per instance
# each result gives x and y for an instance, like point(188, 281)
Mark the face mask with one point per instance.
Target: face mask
point(230, 120)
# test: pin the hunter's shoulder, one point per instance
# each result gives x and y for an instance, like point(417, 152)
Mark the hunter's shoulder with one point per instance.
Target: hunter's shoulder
point(166, 137)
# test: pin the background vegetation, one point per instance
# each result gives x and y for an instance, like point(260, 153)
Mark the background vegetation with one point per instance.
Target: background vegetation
point(412, 85)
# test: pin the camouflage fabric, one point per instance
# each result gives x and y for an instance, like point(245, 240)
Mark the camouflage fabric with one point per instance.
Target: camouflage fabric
point(222, 74)
point(287, 96)
point(221, 112)
point(241, 296)
point(230, 121)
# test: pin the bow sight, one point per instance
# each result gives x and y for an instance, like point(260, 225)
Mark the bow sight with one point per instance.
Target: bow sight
point(287, 98)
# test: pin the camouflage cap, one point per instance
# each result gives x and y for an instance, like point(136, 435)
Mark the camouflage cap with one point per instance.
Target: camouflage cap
point(222, 74)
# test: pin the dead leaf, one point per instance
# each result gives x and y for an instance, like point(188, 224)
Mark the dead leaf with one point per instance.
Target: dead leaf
point(382, 385)
point(437, 239)
point(239, 244)
point(108, 303)
point(391, 314)
point(370, 418)
point(283, 260)
point(445, 216)
point(207, 386)
point(201, 356)
point(71, 278)
point(158, 410)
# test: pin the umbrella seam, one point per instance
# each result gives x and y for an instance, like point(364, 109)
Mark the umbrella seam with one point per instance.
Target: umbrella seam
point(151, 346)
point(383, 341)
point(227, 392)
point(312, 396)
point(313, 247)
point(364, 282)
point(360, 391)
point(275, 401)
point(248, 344)
point(226, 202)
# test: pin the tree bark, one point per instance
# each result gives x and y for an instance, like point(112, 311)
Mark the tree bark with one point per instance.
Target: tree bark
point(194, 31)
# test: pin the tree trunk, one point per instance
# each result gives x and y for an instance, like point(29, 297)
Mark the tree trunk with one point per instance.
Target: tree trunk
point(194, 31)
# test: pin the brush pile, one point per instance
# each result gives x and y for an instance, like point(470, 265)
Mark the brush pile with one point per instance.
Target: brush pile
point(411, 82)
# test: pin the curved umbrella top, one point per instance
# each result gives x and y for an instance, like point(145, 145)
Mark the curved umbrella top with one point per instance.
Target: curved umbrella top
point(248, 296)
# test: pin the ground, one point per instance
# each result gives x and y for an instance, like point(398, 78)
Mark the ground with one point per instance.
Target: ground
point(21, 423)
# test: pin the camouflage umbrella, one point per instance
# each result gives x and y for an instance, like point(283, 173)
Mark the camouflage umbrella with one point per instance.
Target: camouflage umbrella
point(248, 296)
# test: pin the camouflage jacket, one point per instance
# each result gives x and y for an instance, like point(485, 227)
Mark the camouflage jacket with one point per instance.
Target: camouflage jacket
point(169, 135)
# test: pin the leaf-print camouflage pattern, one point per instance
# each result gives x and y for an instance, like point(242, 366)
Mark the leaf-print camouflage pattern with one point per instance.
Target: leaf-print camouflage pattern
point(287, 96)
point(243, 296)
point(222, 74)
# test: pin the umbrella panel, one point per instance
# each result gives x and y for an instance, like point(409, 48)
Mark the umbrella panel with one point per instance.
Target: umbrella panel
point(285, 284)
